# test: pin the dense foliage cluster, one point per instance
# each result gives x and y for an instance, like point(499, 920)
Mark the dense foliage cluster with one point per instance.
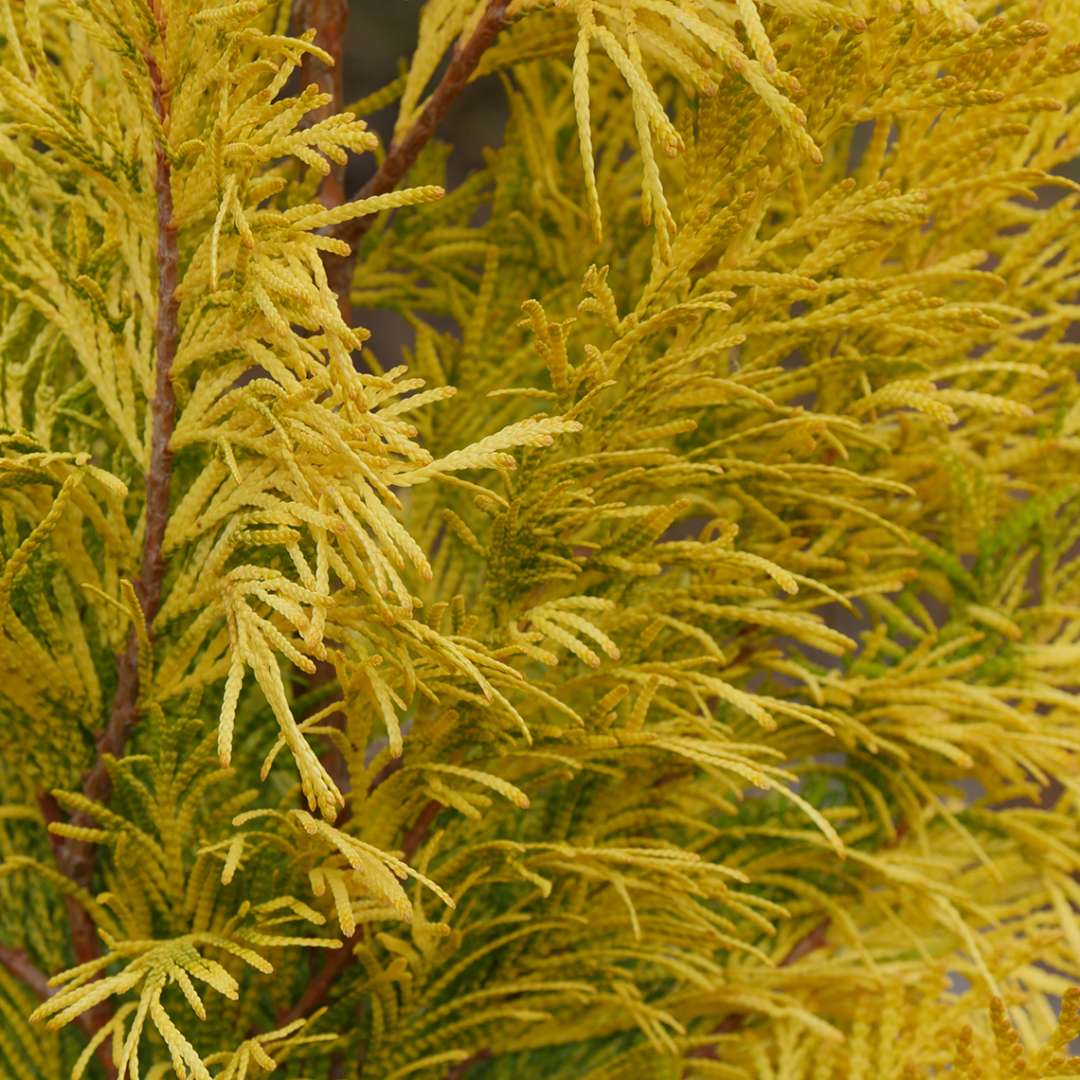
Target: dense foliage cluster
point(669, 672)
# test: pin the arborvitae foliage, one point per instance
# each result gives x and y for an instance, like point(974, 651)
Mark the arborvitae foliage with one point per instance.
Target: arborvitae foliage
point(668, 672)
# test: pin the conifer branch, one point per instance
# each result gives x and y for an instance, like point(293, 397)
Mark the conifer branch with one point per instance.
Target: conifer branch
point(75, 858)
point(814, 939)
point(404, 152)
point(336, 962)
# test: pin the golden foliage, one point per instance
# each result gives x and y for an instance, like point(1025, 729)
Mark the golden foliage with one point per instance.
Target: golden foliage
point(675, 661)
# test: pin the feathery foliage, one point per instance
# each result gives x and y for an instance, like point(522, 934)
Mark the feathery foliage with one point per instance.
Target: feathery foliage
point(668, 672)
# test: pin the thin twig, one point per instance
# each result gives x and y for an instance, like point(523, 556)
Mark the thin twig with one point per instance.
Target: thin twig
point(319, 987)
point(420, 829)
point(815, 939)
point(808, 943)
point(404, 152)
point(75, 858)
point(30, 975)
point(83, 935)
point(458, 1071)
point(25, 970)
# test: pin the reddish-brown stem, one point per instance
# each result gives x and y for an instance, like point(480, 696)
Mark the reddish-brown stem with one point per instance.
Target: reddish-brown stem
point(84, 939)
point(19, 964)
point(404, 151)
point(420, 828)
point(166, 336)
point(25, 970)
point(317, 990)
point(328, 19)
point(83, 935)
point(807, 944)
point(75, 858)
